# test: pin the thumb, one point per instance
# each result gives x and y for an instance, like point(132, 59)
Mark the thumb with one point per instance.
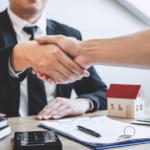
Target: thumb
point(47, 39)
point(69, 45)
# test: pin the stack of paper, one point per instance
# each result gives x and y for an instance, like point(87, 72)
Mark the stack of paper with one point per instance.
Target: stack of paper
point(109, 129)
point(140, 122)
point(144, 120)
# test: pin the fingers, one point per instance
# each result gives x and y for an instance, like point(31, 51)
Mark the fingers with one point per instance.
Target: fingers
point(61, 107)
point(56, 107)
point(39, 75)
point(56, 111)
point(44, 77)
point(41, 113)
point(67, 71)
point(48, 39)
point(50, 80)
point(68, 44)
point(56, 114)
point(58, 66)
point(46, 110)
point(72, 66)
point(67, 74)
point(60, 78)
point(63, 113)
point(34, 72)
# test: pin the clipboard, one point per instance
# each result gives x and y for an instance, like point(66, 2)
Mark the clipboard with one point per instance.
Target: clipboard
point(102, 147)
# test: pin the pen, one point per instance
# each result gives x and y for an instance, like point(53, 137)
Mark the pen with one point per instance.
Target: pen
point(89, 131)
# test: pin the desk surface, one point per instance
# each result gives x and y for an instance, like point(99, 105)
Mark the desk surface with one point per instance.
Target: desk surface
point(31, 124)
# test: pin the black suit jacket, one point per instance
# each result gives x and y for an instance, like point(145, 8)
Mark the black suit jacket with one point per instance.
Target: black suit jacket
point(92, 88)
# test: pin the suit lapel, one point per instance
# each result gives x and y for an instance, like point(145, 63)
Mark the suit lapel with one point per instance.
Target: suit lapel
point(7, 31)
point(51, 28)
point(9, 38)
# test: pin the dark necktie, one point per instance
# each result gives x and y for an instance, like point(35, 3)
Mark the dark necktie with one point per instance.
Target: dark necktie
point(30, 31)
point(36, 89)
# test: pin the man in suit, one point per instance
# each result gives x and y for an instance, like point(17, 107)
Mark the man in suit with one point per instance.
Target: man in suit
point(22, 21)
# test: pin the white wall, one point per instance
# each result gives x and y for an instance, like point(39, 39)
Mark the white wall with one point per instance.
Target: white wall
point(100, 19)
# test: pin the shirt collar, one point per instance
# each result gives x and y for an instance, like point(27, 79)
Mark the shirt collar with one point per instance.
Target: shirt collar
point(19, 23)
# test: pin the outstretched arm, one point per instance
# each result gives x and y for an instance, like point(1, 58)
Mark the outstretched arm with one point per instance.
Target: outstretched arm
point(126, 51)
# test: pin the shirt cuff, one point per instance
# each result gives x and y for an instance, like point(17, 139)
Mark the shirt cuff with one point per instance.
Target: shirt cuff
point(91, 104)
point(11, 73)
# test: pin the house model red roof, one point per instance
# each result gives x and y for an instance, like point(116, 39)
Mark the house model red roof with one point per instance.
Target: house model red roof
point(123, 91)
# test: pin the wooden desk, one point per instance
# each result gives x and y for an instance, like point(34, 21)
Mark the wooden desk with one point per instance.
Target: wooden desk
point(31, 124)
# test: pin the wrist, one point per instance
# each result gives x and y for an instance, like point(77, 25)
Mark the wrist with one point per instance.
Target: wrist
point(18, 60)
point(88, 52)
point(85, 103)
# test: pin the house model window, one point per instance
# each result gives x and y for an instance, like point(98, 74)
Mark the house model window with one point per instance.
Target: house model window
point(139, 95)
point(120, 107)
point(112, 106)
point(141, 107)
point(137, 108)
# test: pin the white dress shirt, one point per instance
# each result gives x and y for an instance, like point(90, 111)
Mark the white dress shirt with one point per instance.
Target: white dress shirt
point(22, 36)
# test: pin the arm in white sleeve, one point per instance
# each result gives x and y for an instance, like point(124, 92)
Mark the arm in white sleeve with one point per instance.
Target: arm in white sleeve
point(11, 73)
point(91, 104)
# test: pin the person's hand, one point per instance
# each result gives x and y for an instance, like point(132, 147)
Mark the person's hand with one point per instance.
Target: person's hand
point(61, 107)
point(46, 59)
point(70, 45)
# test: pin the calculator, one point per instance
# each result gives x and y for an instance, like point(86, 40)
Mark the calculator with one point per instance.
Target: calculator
point(37, 140)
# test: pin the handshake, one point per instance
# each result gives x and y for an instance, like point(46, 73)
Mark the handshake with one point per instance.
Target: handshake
point(55, 59)
point(49, 56)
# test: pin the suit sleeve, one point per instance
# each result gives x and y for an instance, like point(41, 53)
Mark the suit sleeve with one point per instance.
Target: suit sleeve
point(4, 76)
point(92, 88)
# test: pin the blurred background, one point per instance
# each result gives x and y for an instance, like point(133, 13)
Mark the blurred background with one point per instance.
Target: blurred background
point(104, 19)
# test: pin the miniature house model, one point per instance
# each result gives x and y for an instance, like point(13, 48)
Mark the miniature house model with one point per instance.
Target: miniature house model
point(125, 101)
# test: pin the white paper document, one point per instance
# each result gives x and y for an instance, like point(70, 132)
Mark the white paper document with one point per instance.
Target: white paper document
point(109, 129)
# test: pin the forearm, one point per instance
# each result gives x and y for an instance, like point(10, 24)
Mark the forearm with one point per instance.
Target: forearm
point(127, 51)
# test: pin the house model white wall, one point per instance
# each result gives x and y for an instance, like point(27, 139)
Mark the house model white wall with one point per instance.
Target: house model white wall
point(125, 101)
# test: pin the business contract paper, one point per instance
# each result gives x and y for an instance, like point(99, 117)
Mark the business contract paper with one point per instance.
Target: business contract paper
point(109, 129)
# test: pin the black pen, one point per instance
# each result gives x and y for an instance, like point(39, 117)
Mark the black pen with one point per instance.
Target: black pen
point(89, 131)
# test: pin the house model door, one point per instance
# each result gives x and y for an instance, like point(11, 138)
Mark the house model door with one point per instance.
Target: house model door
point(128, 111)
